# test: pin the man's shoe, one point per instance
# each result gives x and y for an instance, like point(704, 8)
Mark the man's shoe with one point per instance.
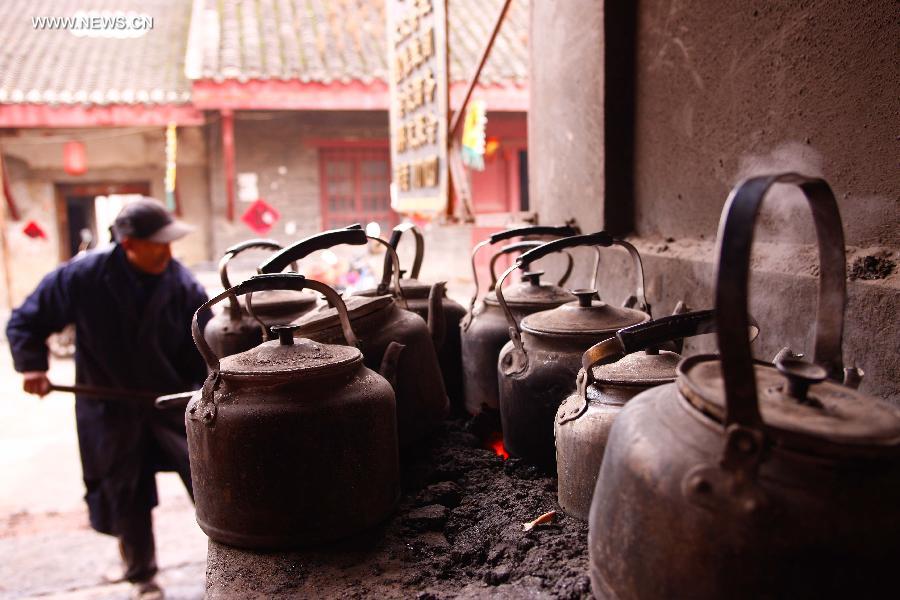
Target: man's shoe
point(147, 590)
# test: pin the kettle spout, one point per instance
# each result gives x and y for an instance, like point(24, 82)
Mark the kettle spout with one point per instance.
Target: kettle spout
point(632, 302)
point(785, 354)
point(853, 376)
point(389, 362)
point(437, 325)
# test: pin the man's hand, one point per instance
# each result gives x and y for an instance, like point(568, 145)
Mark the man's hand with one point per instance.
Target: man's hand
point(36, 382)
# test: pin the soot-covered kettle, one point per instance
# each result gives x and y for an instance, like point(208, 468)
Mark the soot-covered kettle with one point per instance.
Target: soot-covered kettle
point(379, 321)
point(537, 368)
point(293, 442)
point(746, 479)
point(419, 300)
point(484, 329)
point(613, 371)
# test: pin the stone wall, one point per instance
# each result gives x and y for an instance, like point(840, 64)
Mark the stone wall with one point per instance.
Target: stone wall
point(723, 91)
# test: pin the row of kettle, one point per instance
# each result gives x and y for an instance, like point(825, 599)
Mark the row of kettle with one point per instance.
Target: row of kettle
point(522, 345)
point(313, 421)
point(721, 476)
point(295, 441)
point(401, 311)
point(466, 344)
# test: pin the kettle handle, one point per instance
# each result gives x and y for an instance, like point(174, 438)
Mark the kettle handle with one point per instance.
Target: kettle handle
point(597, 239)
point(735, 239)
point(554, 230)
point(353, 235)
point(396, 233)
point(519, 247)
point(643, 336)
point(234, 308)
point(259, 283)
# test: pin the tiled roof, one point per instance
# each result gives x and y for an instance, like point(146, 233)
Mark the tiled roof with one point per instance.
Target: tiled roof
point(341, 40)
point(306, 40)
point(77, 67)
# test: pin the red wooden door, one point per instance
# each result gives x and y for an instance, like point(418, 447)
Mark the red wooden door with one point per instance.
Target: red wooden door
point(354, 185)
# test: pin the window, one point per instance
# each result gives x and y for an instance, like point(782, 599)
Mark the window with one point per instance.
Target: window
point(355, 186)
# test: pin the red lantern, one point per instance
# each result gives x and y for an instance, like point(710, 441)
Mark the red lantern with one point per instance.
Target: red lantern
point(74, 158)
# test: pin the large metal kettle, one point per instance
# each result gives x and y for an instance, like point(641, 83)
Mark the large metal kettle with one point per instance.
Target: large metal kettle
point(745, 479)
point(293, 442)
point(380, 320)
point(419, 300)
point(484, 329)
point(537, 367)
point(632, 362)
point(234, 330)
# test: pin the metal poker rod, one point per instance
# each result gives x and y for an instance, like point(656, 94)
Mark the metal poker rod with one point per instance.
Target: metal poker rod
point(167, 401)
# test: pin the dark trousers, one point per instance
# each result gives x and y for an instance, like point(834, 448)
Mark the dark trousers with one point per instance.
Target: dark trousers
point(136, 544)
point(137, 547)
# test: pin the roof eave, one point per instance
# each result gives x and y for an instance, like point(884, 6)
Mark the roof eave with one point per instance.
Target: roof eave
point(109, 115)
point(257, 94)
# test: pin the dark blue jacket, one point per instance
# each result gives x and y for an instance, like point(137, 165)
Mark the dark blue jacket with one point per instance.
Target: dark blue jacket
point(122, 442)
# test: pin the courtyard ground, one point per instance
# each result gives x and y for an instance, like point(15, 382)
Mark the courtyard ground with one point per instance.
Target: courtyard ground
point(47, 548)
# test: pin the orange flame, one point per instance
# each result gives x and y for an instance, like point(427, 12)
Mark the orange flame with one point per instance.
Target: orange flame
point(495, 443)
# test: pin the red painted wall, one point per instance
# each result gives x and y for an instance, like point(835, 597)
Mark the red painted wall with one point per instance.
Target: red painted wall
point(497, 189)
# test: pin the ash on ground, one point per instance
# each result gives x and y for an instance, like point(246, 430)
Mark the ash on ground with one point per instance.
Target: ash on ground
point(457, 533)
point(871, 267)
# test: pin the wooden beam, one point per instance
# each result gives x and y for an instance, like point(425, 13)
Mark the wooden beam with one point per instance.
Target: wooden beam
point(473, 81)
point(116, 115)
point(228, 159)
point(296, 95)
point(4, 246)
point(7, 192)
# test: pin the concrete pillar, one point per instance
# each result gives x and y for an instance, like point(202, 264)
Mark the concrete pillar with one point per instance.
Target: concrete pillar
point(566, 113)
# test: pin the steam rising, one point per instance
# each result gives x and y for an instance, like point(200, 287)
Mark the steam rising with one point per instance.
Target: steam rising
point(784, 216)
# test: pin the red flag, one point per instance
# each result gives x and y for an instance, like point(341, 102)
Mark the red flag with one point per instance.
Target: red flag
point(261, 217)
point(33, 230)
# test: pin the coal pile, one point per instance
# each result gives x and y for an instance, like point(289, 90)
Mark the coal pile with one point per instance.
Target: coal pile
point(457, 533)
point(871, 268)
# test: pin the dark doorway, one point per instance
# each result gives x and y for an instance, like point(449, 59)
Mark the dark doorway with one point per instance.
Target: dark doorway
point(76, 213)
point(81, 223)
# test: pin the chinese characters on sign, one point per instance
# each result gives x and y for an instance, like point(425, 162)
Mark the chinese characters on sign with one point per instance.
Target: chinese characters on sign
point(418, 90)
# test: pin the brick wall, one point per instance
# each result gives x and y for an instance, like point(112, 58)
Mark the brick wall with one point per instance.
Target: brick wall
point(280, 147)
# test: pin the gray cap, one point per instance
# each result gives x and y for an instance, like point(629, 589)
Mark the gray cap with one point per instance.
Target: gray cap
point(147, 219)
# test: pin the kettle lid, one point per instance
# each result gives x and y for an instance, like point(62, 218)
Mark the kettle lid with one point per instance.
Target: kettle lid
point(799, 406)
point(531, 293)
point(639, 368)
point(358, 307)
point(586, 316)
point(289, 356)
